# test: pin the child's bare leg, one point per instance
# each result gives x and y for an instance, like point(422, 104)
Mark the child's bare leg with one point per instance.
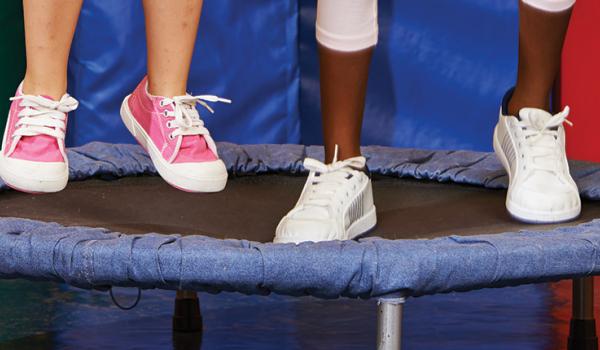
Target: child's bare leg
point(49, 29)
point(171, 28)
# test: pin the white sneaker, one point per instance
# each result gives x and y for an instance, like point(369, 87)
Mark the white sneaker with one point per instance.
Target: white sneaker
point(532, 150)
point(336, 204)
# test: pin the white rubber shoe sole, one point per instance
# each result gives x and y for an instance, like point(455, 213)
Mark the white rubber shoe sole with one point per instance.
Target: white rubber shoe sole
point(34, 177)
point(525, 214)
point(191, 177)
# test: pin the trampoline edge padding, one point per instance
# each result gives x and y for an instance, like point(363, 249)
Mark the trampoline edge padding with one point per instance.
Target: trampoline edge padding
point(96, 258)
point(104, 160)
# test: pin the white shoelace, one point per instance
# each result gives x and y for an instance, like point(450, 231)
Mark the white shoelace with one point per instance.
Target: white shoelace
point(42, 116)
point(331, 178)
point(543, 143)
point(187, 119)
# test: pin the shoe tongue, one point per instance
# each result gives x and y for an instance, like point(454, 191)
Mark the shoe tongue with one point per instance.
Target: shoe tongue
point(192, 147)
point(312, 209)
point(192, 141)
point(534, 117)
point(42, 141)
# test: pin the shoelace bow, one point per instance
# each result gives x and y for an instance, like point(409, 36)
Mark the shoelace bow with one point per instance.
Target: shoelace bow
point(331, 178)
point(42, 116)
point(543, 141)
point(187, 119)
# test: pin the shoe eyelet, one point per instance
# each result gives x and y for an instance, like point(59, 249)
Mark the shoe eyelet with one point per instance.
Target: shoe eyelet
point(171, 137)
point(165, 113)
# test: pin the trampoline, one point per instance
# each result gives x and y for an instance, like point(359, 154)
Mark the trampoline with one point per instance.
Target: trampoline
point(442, 227)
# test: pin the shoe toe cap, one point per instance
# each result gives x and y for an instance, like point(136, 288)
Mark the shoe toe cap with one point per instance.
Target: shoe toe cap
point(200, 170)
point(35, 177)
point(549, 197)
point(32, 170)
point(298, 230)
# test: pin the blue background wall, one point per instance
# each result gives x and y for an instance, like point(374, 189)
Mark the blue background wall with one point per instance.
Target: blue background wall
point(436, 80)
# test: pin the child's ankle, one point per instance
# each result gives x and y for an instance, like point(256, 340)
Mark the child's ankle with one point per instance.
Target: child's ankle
point(53, 91)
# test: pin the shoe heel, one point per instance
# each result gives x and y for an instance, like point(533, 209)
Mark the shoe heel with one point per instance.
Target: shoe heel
point(126, 117)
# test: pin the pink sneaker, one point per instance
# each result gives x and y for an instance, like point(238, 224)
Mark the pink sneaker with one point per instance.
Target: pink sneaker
point(33, 157)
point(171, 131)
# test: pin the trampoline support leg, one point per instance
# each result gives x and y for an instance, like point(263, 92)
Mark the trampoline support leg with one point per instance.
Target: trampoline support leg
point(389, 323)
point(186, 316)
point(187, 322)
point(582, 333)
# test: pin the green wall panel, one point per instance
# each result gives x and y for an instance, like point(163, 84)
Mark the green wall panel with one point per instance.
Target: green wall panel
point(12, 52)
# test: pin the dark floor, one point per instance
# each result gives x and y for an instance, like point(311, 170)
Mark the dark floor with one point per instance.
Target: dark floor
point(251, 206)
point(48, 316)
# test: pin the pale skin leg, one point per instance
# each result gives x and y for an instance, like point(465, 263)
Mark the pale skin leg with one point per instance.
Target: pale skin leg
point(49, 29)
point(171, 28)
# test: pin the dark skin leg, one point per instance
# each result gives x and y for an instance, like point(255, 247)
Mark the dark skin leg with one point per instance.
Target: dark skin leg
point(343, 78)
point(541, 37)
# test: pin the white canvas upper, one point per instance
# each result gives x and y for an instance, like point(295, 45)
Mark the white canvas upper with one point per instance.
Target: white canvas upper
point(532, 150)
point(336, 204)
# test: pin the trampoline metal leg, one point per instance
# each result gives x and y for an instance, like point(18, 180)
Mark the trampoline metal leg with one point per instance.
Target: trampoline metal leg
point(582, 333)
point(389, 323)
point(186, 316)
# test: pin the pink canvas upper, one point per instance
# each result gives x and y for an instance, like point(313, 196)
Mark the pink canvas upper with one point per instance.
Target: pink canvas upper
point(150, 114)
point(38, 148)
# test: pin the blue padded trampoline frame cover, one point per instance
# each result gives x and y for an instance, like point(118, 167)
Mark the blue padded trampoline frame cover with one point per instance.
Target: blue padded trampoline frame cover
point(97, 258)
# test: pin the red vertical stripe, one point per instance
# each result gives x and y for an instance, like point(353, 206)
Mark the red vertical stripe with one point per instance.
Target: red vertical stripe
point(580, 81)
